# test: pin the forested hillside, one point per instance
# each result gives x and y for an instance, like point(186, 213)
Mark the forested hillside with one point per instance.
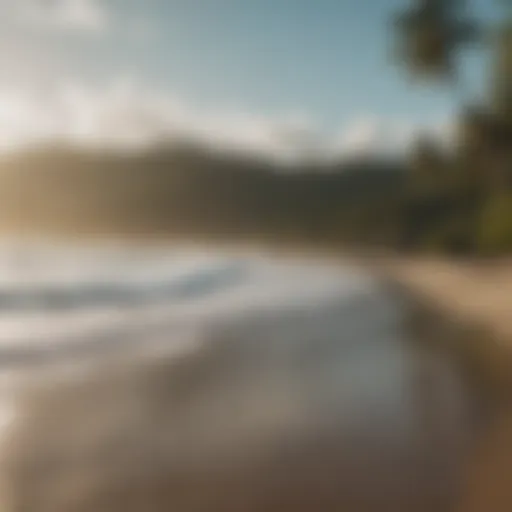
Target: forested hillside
point(193, 192)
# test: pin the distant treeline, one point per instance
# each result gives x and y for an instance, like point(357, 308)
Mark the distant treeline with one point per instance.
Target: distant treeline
point(183, 191)
point(422, 205)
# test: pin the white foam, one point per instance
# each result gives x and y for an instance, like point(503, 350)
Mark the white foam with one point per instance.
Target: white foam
point(199, 287)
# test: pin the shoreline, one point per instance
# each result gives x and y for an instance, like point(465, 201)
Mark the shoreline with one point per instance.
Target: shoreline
point(464, 305)
point(461, 306)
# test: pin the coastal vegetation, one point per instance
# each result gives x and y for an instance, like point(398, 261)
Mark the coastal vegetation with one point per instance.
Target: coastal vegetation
point(461, 200)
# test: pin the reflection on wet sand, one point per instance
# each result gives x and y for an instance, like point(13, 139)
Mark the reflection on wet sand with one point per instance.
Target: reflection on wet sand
point(315, 409)
point(488, 481)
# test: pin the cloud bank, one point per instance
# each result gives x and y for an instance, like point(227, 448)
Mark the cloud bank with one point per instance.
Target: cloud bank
point(83, 15)
point(128, 116)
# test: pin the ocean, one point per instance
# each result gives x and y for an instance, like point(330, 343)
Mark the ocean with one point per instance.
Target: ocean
point(291, 383)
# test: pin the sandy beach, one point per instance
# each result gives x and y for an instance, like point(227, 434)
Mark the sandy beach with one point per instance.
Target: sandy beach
point(466, 305)
point(477, 293)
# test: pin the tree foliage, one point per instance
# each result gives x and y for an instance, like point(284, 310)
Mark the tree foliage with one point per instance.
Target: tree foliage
point(431, 33)
point(495, 229)
point(460, 201)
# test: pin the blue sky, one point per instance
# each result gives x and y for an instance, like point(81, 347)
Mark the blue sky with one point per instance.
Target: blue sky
point(325, 60)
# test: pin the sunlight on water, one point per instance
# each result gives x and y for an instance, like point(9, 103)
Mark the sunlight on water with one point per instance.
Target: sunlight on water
point(81, 304)
point(47, 292)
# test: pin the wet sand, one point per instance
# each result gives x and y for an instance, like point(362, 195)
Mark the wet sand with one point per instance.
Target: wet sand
point(328, 408)
point(467, 307)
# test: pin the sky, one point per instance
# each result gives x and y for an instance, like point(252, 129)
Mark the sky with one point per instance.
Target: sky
point(255, 74)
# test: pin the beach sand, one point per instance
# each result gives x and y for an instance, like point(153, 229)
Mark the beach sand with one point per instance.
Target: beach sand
point(476, 299)
point(478, 293)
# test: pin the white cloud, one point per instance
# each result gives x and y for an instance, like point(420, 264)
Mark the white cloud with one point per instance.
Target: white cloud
point(360, 137)
point(370, 135)
point(84, 15)
point(125, 115)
